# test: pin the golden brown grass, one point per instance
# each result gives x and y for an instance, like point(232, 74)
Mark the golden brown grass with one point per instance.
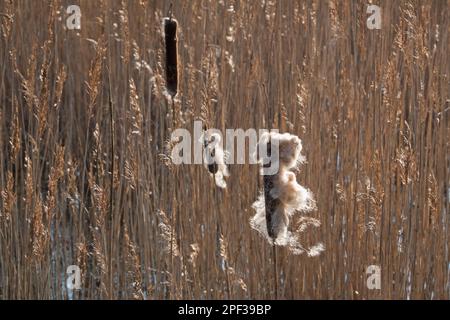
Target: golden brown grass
point(84, 123)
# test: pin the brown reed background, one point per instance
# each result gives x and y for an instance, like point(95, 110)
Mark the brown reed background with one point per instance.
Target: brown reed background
point(371, 106)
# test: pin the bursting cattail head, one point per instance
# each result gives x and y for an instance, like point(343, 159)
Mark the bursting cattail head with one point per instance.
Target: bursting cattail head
point(282, 195)
point(214, 157)
point(171, 47)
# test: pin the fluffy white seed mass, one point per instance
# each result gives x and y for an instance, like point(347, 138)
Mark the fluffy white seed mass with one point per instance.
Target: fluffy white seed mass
point(291, 193)
point(289, 196)
point(285, 150)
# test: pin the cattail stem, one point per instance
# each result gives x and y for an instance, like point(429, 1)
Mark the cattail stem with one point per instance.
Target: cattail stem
point(173, 285)
point(111, 190)
point(270, 206)
point(170, 38)
point(275, 271)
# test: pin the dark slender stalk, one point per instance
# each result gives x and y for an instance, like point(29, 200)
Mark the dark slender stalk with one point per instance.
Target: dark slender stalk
point(111, 190)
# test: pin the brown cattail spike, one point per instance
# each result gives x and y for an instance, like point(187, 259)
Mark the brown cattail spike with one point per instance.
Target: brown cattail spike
point(215, 157)
point(270, 203)
point(213, 167)
point(170, 35)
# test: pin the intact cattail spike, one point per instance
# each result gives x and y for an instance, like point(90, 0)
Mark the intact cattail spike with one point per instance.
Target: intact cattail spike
point(170, 37)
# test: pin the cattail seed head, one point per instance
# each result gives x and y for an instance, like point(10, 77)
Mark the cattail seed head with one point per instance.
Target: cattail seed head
point(171, 46)
point(282, 195)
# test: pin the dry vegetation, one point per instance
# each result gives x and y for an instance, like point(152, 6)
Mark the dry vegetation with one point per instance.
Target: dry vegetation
point(86, 182)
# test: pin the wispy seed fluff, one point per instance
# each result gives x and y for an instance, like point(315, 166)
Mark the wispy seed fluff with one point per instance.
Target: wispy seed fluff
point(283, 195)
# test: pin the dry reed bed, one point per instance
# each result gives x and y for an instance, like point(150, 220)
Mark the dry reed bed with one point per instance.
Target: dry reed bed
point(86, 182)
